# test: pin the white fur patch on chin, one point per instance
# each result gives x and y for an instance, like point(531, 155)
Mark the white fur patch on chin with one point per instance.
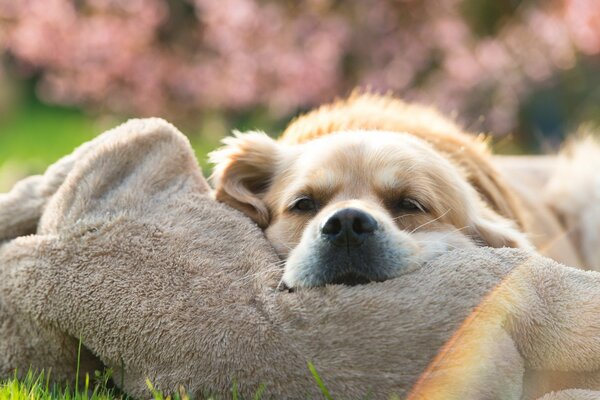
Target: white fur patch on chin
point(300, 261)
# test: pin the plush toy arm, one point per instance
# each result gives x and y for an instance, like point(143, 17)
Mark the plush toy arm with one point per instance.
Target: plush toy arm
point(22, 207)
point(27, 342)
point(537, 332)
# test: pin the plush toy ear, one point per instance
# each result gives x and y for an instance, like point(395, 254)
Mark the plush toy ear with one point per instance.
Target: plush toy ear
point(243, 171)
point(495, 231)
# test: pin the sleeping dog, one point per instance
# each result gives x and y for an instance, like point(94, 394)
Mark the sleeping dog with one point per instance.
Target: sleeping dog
point(370, 188)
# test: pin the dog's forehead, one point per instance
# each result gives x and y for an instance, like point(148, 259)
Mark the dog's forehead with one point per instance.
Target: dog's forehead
point(361, 162)
point(367, 164)
point(380, 152)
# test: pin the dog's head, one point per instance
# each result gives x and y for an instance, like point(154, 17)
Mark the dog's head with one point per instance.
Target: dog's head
point(354, 207)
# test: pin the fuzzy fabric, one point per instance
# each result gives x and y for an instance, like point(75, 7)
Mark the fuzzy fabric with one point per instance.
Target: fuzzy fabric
point(121, 244)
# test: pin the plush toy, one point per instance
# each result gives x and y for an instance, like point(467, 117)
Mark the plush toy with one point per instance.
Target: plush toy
point(121, 246)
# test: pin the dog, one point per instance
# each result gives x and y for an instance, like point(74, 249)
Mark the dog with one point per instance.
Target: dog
point(369, 188)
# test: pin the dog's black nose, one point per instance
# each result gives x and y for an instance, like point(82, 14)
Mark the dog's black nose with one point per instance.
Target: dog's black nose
point(348, 227)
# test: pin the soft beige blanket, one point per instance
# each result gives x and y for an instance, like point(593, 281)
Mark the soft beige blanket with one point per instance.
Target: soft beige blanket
point(121, 244)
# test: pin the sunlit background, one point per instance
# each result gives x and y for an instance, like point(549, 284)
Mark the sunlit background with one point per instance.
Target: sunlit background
point(526, 71)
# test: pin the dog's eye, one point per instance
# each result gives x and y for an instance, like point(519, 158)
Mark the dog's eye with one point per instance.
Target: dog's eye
point(410, 205)
point(304, 204)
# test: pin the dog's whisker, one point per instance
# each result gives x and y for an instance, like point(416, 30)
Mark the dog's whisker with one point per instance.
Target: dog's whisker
point(455, 231)
point(290, 247)
point(446, 244)
point(429, 222)
point(451, 231)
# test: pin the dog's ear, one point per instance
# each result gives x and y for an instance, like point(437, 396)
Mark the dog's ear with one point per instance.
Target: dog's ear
point(495, 231)
point(243, 170)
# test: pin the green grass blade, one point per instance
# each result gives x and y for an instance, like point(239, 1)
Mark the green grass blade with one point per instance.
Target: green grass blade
point(78, 365)
point(315, 375)
point(260, 391)
point(234, 391)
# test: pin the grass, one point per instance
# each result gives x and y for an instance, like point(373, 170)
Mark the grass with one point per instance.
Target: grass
point(39, 387)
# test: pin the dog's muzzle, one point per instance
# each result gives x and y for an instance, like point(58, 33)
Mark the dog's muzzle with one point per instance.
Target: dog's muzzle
point(351, 247)
point(346, 233)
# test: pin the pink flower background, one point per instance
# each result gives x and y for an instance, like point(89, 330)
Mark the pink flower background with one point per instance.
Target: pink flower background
point(184, 59)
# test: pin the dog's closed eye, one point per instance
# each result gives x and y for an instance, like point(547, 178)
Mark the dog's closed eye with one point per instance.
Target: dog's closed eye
point(409, 205)
point(304, 204)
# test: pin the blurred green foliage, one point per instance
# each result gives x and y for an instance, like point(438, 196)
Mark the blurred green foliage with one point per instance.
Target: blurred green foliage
point(39, 133)
point(34, 134)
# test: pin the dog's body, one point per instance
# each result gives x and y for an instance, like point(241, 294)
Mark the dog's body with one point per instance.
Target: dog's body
point(553, 235)
point(369, 188)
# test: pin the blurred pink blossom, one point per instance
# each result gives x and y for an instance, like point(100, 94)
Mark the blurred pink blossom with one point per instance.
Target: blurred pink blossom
point(165, 56)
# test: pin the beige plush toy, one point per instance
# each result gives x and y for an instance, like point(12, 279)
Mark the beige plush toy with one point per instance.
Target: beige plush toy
point(121, 244)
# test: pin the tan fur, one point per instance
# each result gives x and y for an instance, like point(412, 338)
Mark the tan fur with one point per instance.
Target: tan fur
point(376, 112)
point(259, 177)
